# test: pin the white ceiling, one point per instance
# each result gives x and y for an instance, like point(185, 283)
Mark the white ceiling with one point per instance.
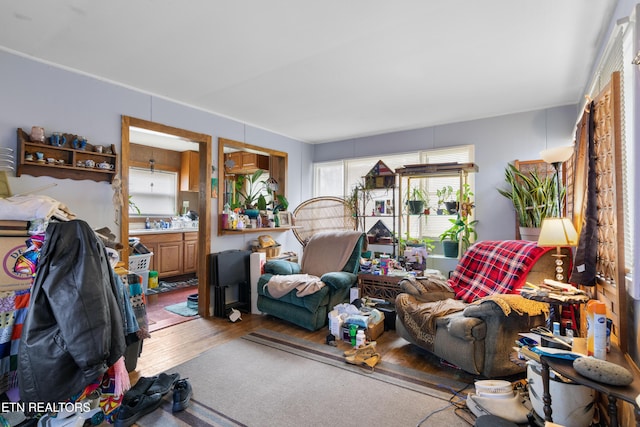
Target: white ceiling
point(328, 70)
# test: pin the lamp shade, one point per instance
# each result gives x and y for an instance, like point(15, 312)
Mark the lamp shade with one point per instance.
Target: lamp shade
point(557, 232)
point(557, 154)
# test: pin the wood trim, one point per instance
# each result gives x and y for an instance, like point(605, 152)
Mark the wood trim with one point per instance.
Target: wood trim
point(610, 262)
point(278, 168)
point(204, 197)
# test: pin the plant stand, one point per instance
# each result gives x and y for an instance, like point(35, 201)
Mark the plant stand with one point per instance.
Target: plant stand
point(421, 171)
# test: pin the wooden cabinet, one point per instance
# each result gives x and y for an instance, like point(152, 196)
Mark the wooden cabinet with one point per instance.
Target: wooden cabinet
point(174, 254)
point(189, 171)
point(170, 256)
point(64, 161)
point(244, 162)
point(190, 253)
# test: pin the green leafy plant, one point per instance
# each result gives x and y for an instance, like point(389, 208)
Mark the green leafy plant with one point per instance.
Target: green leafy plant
point(417, 193)
point(249, 188)
point(132, 206)
point(414, 241)
point(462, 228)
point(262, 203)
point(282, 204)
point(534, 197)
point(417, 201)
point(445, 194)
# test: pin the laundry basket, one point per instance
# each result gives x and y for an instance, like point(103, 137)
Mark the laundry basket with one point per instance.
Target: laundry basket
point(140, 264)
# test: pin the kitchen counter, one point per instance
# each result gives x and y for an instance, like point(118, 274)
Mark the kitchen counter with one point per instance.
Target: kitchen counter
point(145, 231)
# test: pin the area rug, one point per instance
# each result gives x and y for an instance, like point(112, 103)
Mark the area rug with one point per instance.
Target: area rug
point(182, 309)
point(270, 379)
point(170, 286)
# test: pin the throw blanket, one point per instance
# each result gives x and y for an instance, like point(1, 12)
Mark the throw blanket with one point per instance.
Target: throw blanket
point(419, 318)
point(494, 267)
point(517, 303)
point(328, 251)
point(28, 208)
point(306, 284)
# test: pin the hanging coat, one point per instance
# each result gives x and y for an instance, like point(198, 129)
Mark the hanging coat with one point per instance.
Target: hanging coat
point(73, 331)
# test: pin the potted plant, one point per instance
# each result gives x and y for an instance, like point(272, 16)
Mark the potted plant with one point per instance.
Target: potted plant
point(462, 230)
point(417, 201)
point(445, 198)
point(415, 242)
point(248, 189)
point(534, 198)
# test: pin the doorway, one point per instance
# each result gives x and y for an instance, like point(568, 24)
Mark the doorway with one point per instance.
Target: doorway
point(174, 138)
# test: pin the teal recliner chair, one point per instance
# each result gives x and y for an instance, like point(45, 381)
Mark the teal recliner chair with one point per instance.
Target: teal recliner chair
point(334, 257)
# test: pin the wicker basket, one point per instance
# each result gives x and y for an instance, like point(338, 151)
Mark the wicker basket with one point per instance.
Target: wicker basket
point(272, 251)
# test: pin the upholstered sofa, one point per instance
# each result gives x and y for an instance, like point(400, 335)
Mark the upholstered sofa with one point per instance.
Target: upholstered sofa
point(331, 257)
point(473, 319)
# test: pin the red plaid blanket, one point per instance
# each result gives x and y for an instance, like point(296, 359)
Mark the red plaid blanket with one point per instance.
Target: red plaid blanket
point(494, 267)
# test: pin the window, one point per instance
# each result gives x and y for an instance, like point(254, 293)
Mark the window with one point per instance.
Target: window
point(337, 178)
point(153, 192)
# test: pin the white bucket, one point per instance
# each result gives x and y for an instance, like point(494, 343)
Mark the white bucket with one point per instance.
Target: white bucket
point(571, 404)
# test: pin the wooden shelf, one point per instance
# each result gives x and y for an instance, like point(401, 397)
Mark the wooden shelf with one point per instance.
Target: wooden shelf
point(258, 230)
point(66, 160)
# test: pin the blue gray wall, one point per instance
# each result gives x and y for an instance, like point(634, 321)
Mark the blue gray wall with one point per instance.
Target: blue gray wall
point(497, 141)
point(35, 93)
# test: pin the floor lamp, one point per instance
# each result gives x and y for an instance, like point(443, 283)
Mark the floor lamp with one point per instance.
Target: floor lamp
point(557, 156)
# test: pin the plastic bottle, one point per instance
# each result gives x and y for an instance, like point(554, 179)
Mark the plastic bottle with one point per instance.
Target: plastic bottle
point(153, 279)
point(597, 329)
point(147, 224)
point(360, 338)
point(353, 333)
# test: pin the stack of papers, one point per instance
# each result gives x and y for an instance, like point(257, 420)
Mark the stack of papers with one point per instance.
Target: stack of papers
point(554, 290)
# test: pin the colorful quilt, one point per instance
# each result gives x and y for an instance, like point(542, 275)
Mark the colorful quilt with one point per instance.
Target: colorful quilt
point(494, 267)
point(13, 309)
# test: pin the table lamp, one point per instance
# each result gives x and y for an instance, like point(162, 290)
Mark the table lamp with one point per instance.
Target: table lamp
point(558, 232)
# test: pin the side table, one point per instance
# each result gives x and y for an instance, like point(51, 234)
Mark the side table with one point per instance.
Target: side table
point(554, 307)
point(379, 286)
point(565, 367)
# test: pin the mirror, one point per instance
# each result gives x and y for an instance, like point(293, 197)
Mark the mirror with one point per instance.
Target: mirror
point(168, 138)
point(239, 158)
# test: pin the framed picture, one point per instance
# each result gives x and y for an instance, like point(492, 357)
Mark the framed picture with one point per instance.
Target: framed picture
point(380, 207)
point(285, 219)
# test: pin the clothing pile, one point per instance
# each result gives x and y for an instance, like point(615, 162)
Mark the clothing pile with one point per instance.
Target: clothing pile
point(76, 321)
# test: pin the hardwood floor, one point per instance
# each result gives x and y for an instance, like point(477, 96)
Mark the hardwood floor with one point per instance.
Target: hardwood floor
point(160, 318)
point(171, 346)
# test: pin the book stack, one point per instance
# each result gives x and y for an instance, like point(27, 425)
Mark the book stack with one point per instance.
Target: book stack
point(10, 227)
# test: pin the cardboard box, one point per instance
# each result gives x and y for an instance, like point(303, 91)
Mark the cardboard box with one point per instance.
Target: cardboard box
point(374, 330)
point(11, 247)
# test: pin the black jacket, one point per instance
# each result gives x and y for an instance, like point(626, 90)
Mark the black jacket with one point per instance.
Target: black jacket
point(73, 330)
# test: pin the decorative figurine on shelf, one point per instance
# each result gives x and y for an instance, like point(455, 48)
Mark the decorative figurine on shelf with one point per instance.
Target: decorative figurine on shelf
point(37, 134)
point(57, 139)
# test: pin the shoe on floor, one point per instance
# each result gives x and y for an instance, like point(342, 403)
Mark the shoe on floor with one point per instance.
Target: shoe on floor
point(139, 388)
point(182, 392)
point(140, 405)
point(163, 384)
